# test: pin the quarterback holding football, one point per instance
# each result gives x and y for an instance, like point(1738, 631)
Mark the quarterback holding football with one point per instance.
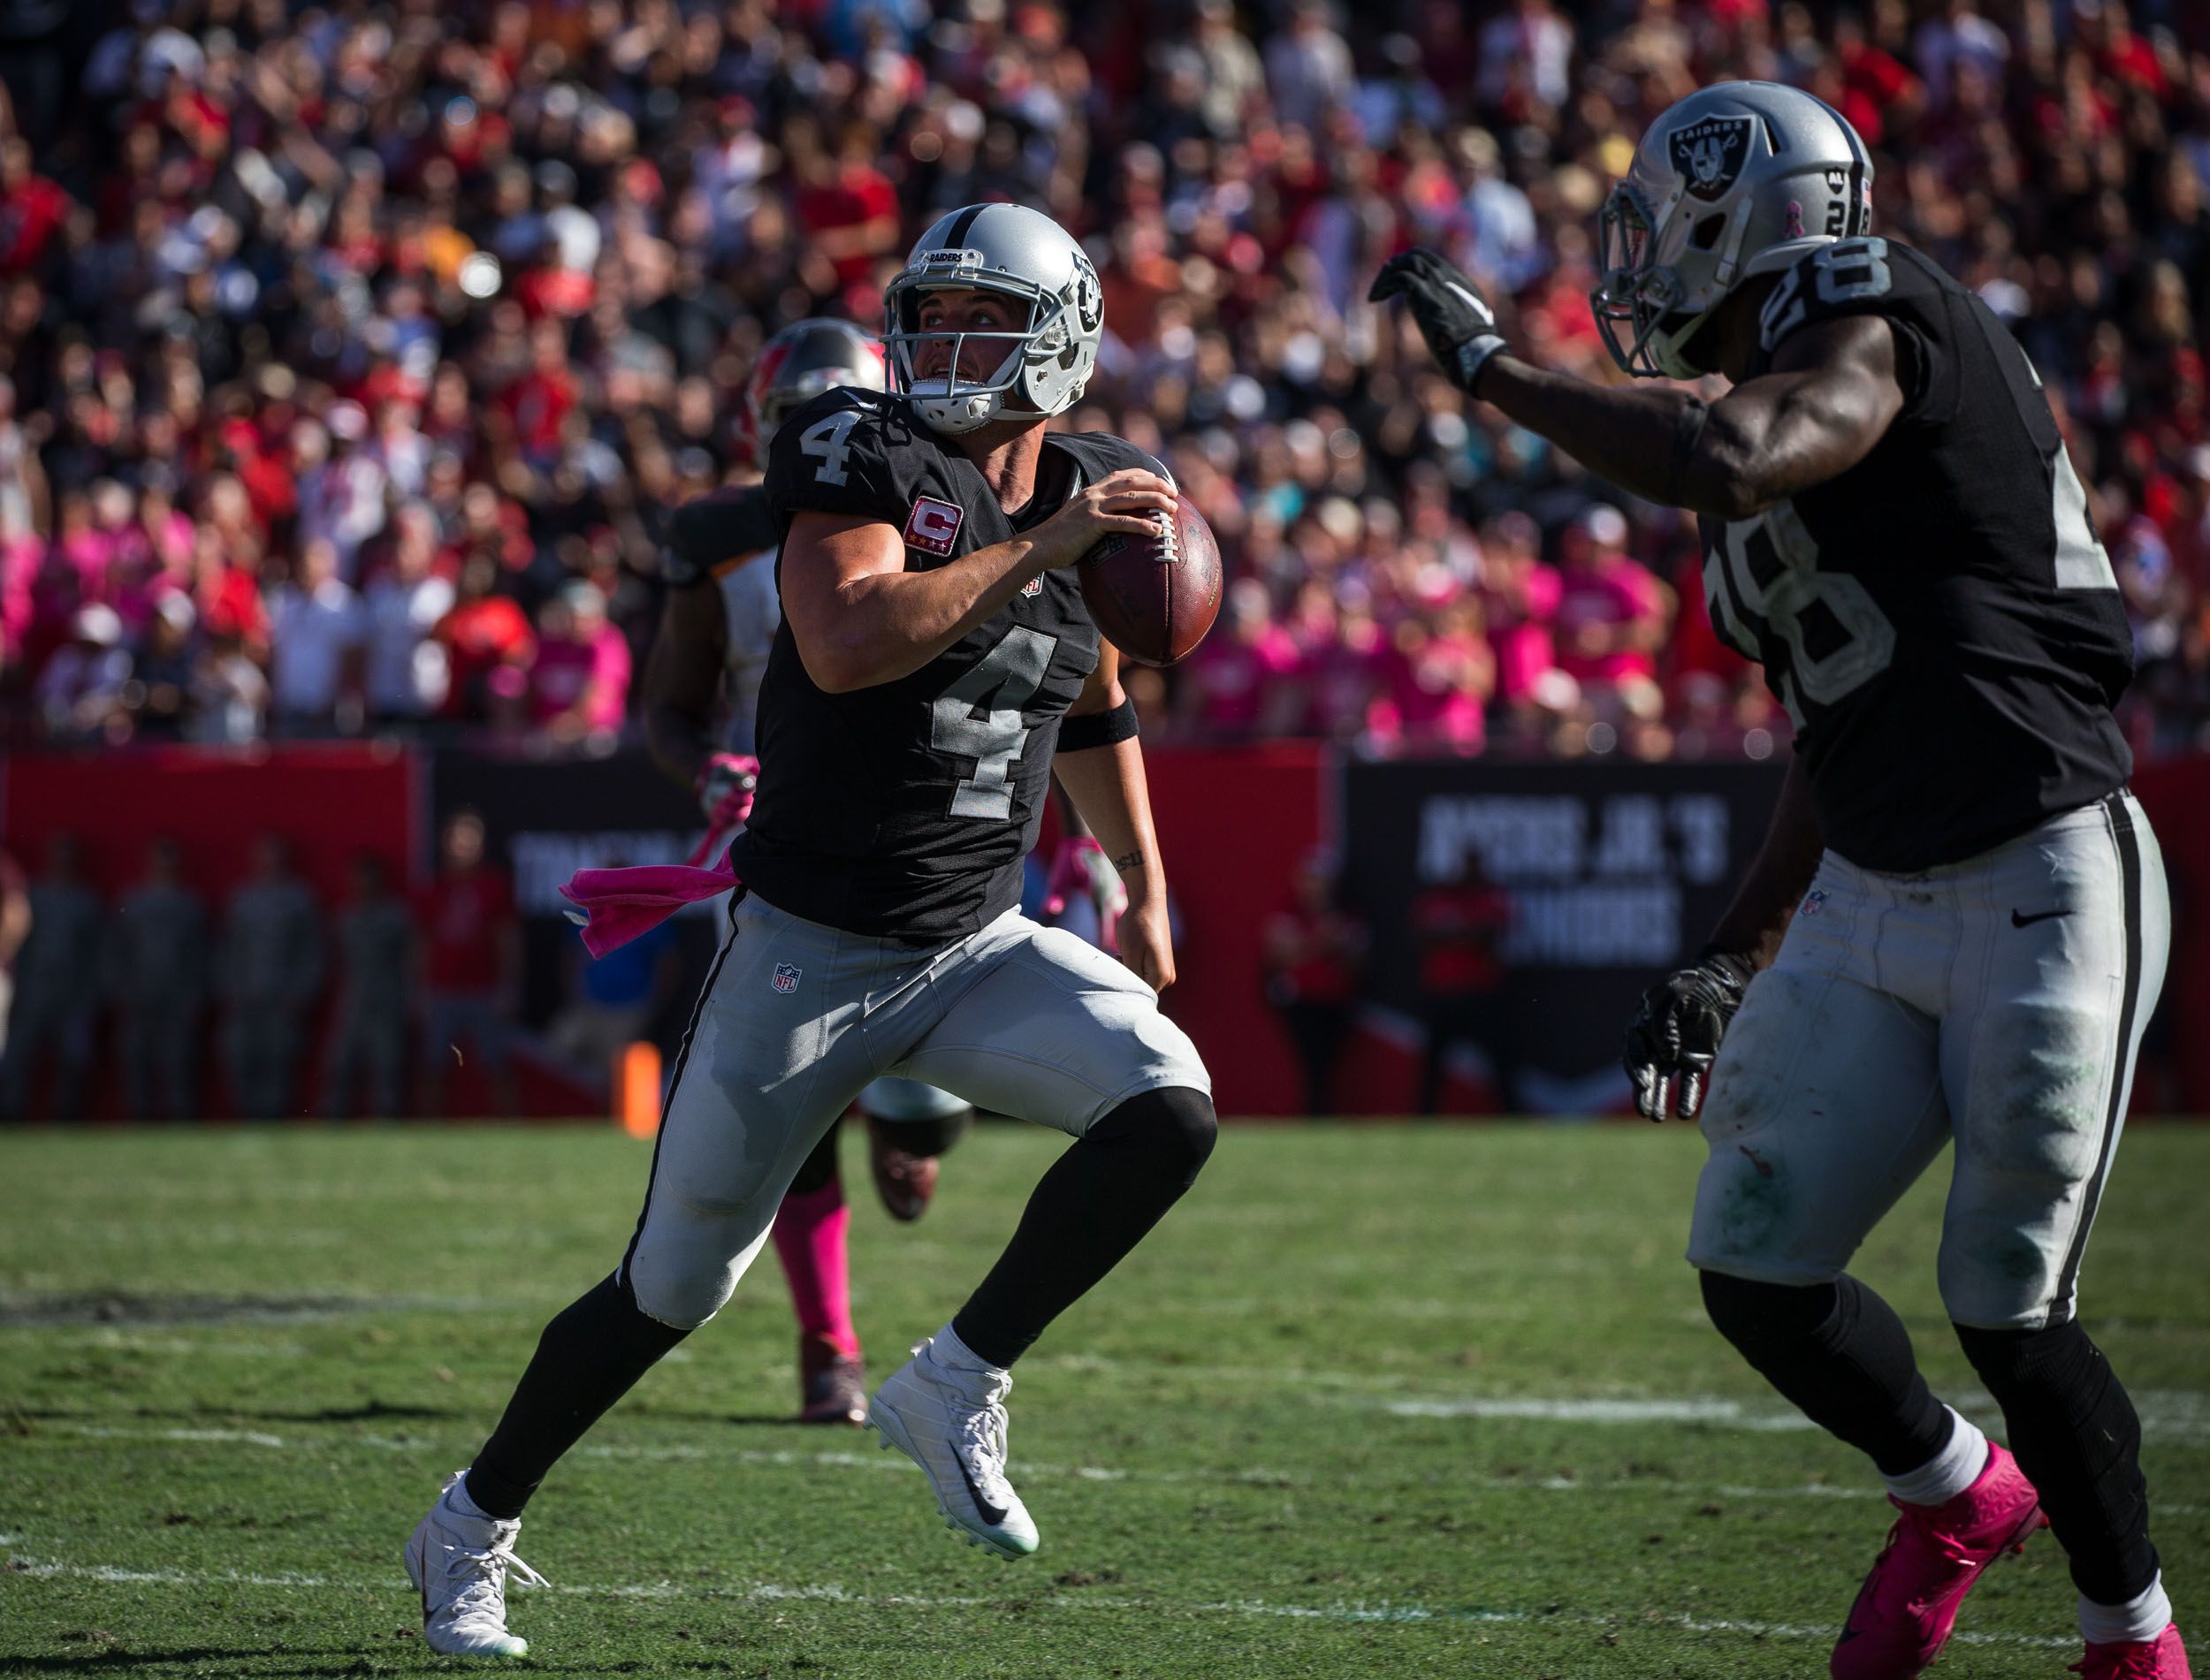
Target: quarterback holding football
point(934, 664)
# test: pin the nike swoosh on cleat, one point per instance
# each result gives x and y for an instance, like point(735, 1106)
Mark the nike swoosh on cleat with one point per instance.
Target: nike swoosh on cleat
point(2018, 921)
point(993, 1515)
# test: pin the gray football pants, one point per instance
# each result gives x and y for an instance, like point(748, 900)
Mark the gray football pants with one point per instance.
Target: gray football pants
point(1999, 1003)
point(795, 1017)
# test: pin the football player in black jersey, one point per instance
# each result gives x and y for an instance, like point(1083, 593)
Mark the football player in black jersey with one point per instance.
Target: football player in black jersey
point(701, 706)
point(1957, 924)
point(936, 663)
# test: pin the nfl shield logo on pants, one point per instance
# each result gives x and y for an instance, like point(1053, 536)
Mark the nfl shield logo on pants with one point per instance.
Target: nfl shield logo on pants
point(786, 976)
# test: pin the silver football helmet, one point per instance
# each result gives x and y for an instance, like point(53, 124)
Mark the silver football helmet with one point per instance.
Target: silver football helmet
point(1047, 277)
point(799, 364)
point(1738, 179)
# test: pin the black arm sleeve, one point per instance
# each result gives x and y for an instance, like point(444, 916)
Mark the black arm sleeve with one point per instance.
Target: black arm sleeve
point(1098, 728)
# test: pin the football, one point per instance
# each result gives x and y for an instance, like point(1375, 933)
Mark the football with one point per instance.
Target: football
point(1154, 599)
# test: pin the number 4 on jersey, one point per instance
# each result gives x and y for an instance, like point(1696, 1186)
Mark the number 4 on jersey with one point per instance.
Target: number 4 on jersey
point(827, 438)
point(1000, 684)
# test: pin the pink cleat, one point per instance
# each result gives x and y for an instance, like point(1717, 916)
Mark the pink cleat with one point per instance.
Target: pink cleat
point(2162, 1658)
point(1909, 1604)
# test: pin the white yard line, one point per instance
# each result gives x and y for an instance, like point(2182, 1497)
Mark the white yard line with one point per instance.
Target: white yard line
point(898, 1463)
point(772, 1591)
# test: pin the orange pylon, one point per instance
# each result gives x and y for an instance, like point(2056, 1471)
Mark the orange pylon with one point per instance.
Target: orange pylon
point(636, 1089)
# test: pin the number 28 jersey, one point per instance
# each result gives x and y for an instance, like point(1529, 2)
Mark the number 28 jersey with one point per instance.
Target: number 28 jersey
point(1939, 621)
point(904, 810)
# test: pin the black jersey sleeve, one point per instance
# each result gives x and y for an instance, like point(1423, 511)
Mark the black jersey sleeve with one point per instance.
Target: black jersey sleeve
point(1872, 275)
point(1100, 453)
point(707, 532)
point(845, 452)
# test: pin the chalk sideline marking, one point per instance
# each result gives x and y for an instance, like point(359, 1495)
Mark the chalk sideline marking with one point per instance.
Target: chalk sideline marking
point(829, 1593)
point(897, 1464)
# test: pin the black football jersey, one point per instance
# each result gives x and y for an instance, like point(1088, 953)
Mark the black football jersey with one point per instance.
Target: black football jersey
point(705, 534)
point(1939, 621)
point(904, 810)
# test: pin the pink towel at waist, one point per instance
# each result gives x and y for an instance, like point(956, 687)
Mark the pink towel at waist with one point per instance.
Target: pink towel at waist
point(614, 906)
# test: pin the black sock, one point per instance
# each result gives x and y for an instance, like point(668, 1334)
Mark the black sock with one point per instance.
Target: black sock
point(2079, 1442)
point(1091, 1208)
point(588, 1358)
point(1840, 1354)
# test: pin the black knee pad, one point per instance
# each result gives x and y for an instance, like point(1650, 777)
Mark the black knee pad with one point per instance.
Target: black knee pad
point(1758, 1318)
point(1174, 1128)
point(819, 1169)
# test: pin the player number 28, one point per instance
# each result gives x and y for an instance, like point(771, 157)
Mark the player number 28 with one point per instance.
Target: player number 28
point(1841, 272)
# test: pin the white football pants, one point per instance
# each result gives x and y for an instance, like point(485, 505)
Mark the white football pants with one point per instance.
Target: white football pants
point(795, 1017)
point(1998, 1002)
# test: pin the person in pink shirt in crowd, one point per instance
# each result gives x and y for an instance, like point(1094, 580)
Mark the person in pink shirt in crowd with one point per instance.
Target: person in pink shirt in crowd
point(1242, 681)
point(1439, 681)
point(82, 545)
point(1613, 614)
point(1346, 673)
point(579, 678)
point(1519, 596)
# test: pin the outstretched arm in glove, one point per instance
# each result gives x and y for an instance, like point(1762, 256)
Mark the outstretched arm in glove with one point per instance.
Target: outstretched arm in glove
point(1676, 1032)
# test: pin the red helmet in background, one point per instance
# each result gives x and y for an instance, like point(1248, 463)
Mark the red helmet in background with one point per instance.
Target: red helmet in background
point(799, 364)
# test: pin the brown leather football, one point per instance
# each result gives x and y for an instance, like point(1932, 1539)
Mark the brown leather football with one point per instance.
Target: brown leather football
point(1154, 599)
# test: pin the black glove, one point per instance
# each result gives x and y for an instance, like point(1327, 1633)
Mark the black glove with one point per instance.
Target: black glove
point(1454, 318)
point(1676, 1032)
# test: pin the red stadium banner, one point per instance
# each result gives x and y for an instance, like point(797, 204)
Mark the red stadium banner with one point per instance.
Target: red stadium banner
point(2175, 1073)
point(1235, 824)
point(330, 800)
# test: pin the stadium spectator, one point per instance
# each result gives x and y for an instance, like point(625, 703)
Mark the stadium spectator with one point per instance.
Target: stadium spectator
point(1242, 681)
point(1314, 952)
point(406, 675)
point(159, 961)
point(1612, 616)
point(471, 980)
point(487, 644)
point(56, 979)
point(376, 962)
point(1459, 929)
point(318, 637)
point(579, 671)
point(269, 976)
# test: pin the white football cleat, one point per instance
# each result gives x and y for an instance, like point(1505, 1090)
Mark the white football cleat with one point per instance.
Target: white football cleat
point(460, 1564)
point(951, 1422)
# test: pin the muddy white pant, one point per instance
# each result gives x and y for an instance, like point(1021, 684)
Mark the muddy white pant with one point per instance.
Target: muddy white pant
point(1998, 1003)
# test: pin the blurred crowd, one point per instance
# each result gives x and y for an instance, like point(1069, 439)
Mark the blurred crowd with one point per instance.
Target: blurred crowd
point(352, 355)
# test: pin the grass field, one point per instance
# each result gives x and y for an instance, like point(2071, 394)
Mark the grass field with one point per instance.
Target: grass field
point(1376, 1400)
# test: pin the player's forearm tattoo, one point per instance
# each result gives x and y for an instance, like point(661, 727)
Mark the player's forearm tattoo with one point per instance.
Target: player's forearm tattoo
point(1128, 861)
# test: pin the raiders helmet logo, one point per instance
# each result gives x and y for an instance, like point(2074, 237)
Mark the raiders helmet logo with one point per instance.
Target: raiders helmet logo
point(1708, 156)
point(1089, 297)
